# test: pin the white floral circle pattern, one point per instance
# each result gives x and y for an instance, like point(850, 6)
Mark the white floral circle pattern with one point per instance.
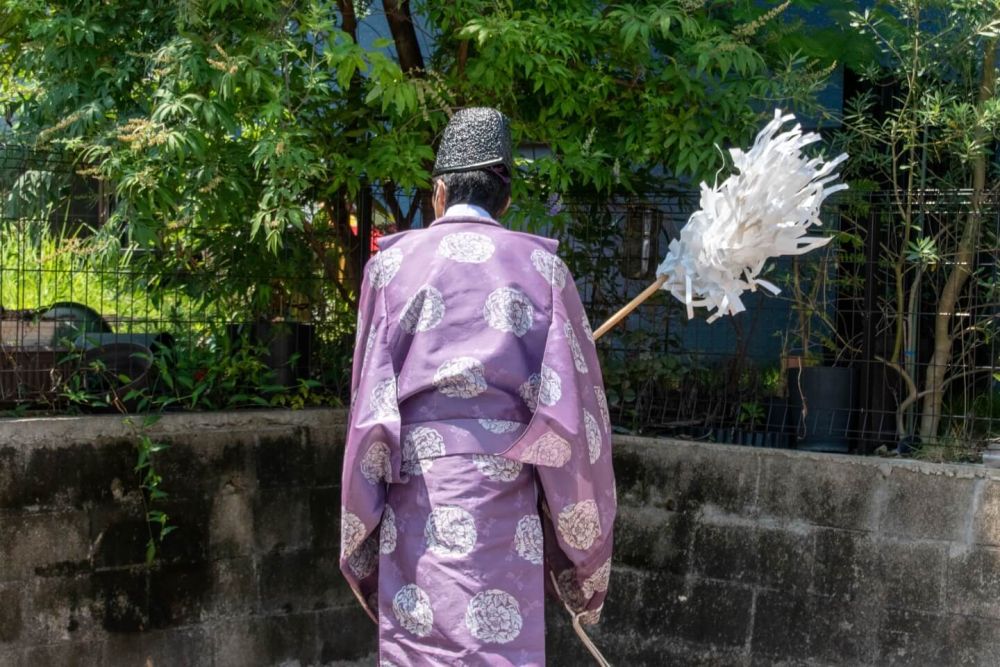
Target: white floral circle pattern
point(500, 426)
point(375, 464)
point(383, 400)
point(423, 311)
point(593, 435)
point(461, 377)
point(528, 538)
point(364, 560)
point(466, 247)
point(602, 405)
point(549, 387)
point(420, 446)
point(387, 534)
point(450, 531)
point(549, 450)
point(494, 616)
point(579, 524)
point(412, 608)
point(385, 267)
point(529, 391)
point(369, 345)
point(598, 581)
point(497, 468)
point(509, 310)
point(574, 346)
point(352, 532)
point(550, 267)
point(585, 323)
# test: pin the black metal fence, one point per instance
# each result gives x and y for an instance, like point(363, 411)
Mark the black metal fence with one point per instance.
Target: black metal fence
point(865, 347)
point(884, 340)
point(88, 320)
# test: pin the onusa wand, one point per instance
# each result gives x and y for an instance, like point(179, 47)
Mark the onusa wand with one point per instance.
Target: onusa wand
point(760, 212)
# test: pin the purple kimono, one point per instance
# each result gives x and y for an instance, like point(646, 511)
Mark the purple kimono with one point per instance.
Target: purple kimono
point(478, 455)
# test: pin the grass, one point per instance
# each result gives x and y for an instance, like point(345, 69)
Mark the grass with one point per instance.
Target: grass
point(38, 269)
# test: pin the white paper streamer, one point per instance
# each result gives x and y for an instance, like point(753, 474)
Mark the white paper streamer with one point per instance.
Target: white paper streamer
point(761, 212)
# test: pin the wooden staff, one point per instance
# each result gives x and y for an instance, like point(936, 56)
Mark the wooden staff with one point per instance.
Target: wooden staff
point(632, 305)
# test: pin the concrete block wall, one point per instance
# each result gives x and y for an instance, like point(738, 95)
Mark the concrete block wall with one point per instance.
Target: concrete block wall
point(249, 577)
point(741, 556)
point(725, 555)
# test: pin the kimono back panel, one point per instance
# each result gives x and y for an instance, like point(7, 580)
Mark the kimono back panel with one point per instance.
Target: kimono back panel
point(472, 340)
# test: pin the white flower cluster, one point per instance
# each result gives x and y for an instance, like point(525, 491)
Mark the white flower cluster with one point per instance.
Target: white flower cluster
point(385, 266)
point(423, 311)
point(497, 468)
point(602, 405)
point(494, 616)
point(579, 524)
point(550, 267)
point(528, 538)
point(461, 377)
point(466, 247)
point(365, 559)
point(509, 310)
point(500, 426)
point(574, 347)
point(450, 531)
point(421, 446)
point(387, 533)
point(383, 400)
point(375, 464)
point(549, 387)
point(598, 581)
point(549, 450)
point(412, 608)
point(352, 532)
point(593, 436)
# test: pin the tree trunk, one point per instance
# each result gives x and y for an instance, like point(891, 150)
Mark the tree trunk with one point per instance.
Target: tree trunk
point(965, 255)
point(404, 34)
point(348, 19)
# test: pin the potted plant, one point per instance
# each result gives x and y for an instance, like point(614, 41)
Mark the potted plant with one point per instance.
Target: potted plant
point(818, 382)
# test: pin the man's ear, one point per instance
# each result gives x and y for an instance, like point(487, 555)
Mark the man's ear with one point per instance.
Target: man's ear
point(504, 208)
point(440, 198)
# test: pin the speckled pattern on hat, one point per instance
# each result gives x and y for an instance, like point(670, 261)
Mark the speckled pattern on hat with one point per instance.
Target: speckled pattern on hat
point(475, 138)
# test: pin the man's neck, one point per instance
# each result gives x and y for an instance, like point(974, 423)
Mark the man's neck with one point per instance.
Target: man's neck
point(466, 211)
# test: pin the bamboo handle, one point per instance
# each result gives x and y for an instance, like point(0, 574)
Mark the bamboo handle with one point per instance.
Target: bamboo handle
point(632, 305)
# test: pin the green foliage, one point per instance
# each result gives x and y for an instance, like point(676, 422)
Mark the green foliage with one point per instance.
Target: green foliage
point(230, 130)
point(151, 492)
point(932, 148)
point(622, 94)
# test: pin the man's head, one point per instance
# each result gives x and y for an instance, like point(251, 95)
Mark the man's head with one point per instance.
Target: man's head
point(474, 162)
point(481, 187)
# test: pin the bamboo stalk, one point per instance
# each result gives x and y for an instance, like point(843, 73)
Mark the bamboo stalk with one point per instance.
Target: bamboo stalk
point(632, 305)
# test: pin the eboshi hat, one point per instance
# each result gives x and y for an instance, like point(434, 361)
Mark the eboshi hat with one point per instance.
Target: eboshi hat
point(475, 138)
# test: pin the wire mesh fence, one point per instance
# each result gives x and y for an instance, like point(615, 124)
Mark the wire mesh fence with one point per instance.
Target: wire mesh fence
point(882, 339)
point(89, 319)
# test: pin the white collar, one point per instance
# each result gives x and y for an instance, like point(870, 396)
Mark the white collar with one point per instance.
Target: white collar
point(466, 211)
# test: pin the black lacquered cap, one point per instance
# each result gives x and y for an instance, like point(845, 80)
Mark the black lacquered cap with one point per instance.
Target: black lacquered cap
point(475, 138)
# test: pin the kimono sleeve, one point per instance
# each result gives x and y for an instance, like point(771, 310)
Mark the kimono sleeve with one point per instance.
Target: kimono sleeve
point(372, 447)
point(569, 443)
